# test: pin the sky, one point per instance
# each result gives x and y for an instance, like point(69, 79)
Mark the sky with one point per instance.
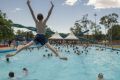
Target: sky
point(64, 14)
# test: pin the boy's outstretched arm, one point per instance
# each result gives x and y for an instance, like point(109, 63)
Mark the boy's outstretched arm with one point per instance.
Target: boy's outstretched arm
point(49, 13)
point(30, 8)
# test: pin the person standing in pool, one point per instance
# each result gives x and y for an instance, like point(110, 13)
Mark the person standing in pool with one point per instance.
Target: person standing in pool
point(25, 71)
point(100, 76)
point(40, 36)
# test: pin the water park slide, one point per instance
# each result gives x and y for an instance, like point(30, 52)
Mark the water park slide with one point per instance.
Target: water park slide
point(83, 32)
point(84, 39)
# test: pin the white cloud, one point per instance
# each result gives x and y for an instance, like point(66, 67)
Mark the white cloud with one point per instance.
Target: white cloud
point(102, 4)
point(17, 9)
point(70, 2)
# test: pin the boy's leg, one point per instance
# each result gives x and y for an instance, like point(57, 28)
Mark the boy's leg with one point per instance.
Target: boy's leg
point(20, 49)
point(52, 49)
point(55, 51)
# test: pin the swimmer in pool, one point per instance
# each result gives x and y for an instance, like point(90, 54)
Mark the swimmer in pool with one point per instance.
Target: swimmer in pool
point(7, 60)
point(11, 76)
point(25, 71)
point(40, 36)
point(100, 76)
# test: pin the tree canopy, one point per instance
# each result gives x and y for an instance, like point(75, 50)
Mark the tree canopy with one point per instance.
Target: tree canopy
point(6, 31)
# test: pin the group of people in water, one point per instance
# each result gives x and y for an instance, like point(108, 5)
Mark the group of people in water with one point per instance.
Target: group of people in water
point(11, 74)
point(68, 49)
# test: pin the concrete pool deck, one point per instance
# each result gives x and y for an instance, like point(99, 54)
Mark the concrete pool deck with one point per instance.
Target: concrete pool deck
point(6, 48)
point(116, 46)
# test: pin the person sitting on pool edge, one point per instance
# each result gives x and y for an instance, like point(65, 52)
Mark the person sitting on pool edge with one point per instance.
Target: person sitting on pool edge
point(40, 37)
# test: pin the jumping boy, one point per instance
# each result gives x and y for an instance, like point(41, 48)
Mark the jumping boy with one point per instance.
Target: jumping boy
point(40, 36)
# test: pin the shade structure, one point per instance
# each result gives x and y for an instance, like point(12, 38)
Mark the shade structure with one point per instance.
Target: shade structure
point(71, 39)
point(56, 36)
point(71, 36)
point(56, 39)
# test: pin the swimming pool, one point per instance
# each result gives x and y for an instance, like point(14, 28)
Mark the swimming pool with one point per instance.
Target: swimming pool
point(85, 66)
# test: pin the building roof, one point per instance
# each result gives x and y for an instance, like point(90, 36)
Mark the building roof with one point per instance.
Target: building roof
point(71, 36)
point(56, 36)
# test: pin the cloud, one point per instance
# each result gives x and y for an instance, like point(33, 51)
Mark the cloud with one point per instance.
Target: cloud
point(70, 2)
point(103, 4)
point(17, 9)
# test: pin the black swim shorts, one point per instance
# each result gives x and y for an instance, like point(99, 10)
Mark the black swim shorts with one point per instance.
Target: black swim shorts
point(40, 39)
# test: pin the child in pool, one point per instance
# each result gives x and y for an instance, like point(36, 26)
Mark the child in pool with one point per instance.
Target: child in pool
point(100, 76)
point(40, 37)
point(25, 71)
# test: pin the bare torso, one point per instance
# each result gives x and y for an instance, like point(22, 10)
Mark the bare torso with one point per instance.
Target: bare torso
point(40, 27)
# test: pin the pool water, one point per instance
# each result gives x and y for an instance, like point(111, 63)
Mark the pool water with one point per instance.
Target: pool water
point(85, 66)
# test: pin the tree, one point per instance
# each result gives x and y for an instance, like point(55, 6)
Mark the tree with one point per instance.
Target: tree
point(95, 29)
point(6, 31)
point(108, 21)
point(85, 23)
point(115, 32)
point(81, 25)
point(76, 29)
point(28, 35)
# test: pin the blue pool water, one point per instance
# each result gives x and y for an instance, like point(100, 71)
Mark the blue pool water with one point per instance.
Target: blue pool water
point(77, 67)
